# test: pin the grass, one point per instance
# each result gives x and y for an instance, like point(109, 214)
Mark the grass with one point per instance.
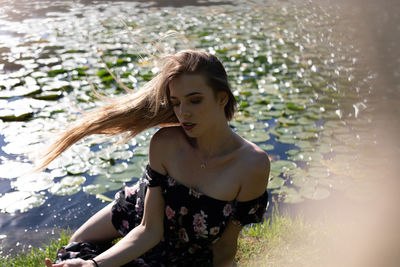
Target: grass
point(35, 257)
point(284, 241)
point(279, 241)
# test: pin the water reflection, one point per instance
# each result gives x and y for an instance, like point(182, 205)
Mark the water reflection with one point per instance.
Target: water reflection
point(316, 117)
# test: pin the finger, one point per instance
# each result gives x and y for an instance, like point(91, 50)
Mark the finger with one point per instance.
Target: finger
point(48, 262)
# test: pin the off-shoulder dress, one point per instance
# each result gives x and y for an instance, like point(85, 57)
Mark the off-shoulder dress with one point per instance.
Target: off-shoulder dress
point(193, 221)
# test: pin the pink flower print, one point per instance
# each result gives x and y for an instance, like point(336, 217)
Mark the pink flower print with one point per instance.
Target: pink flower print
point(73, 254)
point(171, 181)
point(130, 190)
point(183, 211)
point(194, 193)
point(201, 230)
point(199, 224)
point(125, 224)
point(169, 212)
point(61, 251)
point(138, 206)
point(214, 230)
point(254, 210)
point(117, 195)
point(199, 218)
point(227, 210)
point(183, 235)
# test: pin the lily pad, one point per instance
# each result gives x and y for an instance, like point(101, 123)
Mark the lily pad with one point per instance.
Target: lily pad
point(255, 135)
point(290, 195)
point(306, 136)
point(20, 201)
point(56, 85)
point(318, 193)
point(101, 186)
point(292, 152)
point(266, 147)
point(76, 169)
point(13, 169)
point(33, 182)
point(281, 166)
point(20, 114)
point(293, 106)
point(318, 172)
point(49, 95)
point(20, 91)
point(122, 155)
point(68, 186)
point(275, 182)
point(287, 139)
point(306, 156)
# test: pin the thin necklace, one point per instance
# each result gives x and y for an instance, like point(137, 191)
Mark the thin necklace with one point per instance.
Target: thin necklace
point(203, 163)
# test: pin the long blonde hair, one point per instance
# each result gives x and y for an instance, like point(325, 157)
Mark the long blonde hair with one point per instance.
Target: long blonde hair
point(147, 107)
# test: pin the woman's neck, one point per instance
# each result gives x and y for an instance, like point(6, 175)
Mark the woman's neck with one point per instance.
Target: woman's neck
point(218, 141)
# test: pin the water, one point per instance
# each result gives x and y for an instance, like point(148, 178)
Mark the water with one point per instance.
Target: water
point(292, 55)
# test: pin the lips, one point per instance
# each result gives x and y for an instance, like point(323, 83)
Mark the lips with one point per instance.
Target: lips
point(188, 125)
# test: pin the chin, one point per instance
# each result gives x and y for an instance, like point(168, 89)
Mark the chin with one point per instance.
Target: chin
point(192, 133)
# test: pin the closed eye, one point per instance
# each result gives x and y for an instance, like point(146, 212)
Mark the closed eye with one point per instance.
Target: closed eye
point(175, 104)
point(195, 101)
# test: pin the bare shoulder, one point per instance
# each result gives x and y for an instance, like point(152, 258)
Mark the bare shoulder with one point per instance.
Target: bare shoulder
point(167, 134)
point(256, 172)
point(162, 145)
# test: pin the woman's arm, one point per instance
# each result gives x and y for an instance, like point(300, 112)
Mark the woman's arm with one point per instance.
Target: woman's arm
point(253, 185)
point(136, 242)
point(146, 235)
point(224, 250)
point(151, 230)
point(141, 238)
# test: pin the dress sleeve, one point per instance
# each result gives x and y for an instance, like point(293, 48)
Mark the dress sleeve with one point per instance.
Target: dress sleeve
point(154, 178)
point(252, 211)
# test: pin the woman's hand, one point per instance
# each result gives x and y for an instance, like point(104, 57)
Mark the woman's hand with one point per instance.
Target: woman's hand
point(70, 263)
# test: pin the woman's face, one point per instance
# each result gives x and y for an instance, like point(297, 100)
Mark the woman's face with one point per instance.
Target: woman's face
point(195, 104)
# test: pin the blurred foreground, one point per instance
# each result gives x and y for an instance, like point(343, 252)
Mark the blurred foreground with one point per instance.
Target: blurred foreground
point(366, 234)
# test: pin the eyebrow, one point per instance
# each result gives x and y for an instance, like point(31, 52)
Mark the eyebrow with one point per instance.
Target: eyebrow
point(190, 94)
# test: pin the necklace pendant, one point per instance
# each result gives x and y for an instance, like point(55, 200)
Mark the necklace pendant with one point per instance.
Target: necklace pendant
point(203, 165)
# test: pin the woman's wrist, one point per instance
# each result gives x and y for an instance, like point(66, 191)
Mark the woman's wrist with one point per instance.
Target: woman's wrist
point(94, 263)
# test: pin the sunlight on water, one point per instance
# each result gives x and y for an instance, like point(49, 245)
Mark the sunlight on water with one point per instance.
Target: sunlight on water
point(312, 88)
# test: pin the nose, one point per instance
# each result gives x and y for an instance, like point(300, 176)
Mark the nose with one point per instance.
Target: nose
point(183, 111)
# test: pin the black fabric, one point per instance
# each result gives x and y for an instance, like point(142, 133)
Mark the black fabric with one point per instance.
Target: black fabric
point(81, 250)
point(193, 221)
point(251, 211)
point(153, 177)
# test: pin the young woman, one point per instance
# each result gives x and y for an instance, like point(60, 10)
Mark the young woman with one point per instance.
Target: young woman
point(202, 184)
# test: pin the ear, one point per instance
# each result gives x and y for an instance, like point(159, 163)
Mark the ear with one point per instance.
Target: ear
point(222, 98)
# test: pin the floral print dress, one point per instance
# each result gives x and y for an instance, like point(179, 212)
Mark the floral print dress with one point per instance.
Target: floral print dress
point(193, 221)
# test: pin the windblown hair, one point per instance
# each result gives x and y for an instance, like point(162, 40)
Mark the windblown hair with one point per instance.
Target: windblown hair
point(147, 107)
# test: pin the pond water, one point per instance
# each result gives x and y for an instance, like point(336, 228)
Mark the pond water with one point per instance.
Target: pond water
point(298, 77)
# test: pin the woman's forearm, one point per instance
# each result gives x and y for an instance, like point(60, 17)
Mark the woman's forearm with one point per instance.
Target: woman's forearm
point(224, 257)
point(134, 244)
